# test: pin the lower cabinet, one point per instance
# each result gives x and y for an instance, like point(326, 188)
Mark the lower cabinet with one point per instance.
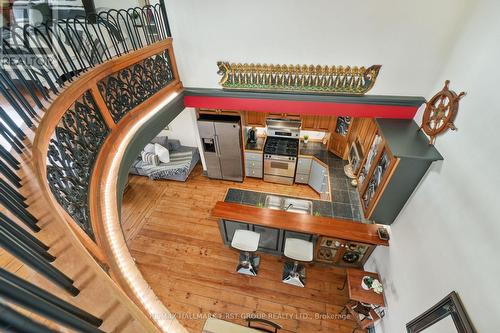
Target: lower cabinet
point(228, 228)
point(318, 178)
point(270, 238)
point(303, 170)
point(253, 164)
point(271, 241)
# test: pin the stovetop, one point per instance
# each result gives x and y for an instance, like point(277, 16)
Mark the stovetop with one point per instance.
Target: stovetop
point(281, 146)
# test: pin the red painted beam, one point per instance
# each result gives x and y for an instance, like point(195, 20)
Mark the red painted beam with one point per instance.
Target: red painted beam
point(302, 107)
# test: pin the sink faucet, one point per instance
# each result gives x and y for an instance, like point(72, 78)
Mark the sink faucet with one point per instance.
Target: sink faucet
point(288, 207)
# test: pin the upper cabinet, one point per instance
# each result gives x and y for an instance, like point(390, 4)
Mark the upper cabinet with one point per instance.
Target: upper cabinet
point(315, 123)
point(218, 112)
point(283, 115)
point(257, 119)
point(398, 157)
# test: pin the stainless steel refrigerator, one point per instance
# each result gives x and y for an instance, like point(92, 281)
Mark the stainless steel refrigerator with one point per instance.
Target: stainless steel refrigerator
point(222, 146)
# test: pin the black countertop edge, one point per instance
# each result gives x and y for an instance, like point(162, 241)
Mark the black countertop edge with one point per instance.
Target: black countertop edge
point(413, 101)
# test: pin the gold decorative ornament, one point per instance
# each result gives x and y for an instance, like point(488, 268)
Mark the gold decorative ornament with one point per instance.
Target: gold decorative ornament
point(313, 79)
point(440, 112)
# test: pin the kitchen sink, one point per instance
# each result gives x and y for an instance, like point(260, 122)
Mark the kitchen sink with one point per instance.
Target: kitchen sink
point(288, 204)
point(298, 206)
point(274, 202)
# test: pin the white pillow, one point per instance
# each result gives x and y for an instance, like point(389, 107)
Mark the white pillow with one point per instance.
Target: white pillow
point(150, 159)
point(162, 152)
point(150, 148)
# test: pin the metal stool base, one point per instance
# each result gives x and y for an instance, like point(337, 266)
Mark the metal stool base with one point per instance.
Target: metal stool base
point(297, 278)
point(248, 267)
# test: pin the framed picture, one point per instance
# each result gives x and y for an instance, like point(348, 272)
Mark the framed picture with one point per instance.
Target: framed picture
point(446, 316)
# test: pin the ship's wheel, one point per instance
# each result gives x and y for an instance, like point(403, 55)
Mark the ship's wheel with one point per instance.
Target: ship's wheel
point(440, 112)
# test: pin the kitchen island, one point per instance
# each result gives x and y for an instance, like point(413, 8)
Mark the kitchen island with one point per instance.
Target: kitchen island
point(337, 241)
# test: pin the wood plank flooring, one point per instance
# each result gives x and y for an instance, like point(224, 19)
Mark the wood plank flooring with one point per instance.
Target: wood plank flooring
point(178, 248)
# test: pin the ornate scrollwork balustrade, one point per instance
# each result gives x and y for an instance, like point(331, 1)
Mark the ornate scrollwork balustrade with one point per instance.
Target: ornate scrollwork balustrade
point(80, 119)
point(129, 87)
point(76, 134)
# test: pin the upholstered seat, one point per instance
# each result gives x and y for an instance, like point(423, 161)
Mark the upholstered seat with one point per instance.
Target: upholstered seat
point(245, 240)
point(298, 249)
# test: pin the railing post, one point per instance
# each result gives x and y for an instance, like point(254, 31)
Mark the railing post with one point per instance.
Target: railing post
point(63, 305)
point(38, 263)
point(165, 18)
point(13, 321)
point(34, 303)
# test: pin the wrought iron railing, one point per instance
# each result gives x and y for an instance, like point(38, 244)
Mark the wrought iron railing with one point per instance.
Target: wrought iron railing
point(42, 59)
point(38, 64)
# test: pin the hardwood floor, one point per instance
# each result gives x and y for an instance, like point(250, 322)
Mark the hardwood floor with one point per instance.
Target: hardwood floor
point(177, 247)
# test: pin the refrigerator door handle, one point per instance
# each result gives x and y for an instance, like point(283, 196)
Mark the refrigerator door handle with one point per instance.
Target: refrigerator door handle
point(217, 147)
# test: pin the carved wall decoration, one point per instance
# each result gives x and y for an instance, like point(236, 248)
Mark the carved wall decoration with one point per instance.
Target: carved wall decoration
point(441, 112)
point(71, 157)
point(129, 87)
point(313, 79)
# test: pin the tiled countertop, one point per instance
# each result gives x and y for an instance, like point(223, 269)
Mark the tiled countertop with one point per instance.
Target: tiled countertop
point(342, 206)
point(316, 149)
point(345, 199)
point(257, 146)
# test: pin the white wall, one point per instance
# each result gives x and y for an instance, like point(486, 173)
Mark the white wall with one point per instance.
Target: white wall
point(410, 39)
point(183, 128)
point(447, 236)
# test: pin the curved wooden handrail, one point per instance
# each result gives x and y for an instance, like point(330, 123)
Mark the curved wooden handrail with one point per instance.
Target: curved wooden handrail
point(110, 249)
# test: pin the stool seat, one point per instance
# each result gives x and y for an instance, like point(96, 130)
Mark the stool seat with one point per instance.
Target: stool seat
point(298, 249)
point(245, 240)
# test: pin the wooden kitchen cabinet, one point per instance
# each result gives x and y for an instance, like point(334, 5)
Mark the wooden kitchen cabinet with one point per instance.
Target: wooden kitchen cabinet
point(283, 115)
point(253, 118)
point(308, 122)
point(323, 123)
point(398, 158)
point(315, 123)
point(218, 112)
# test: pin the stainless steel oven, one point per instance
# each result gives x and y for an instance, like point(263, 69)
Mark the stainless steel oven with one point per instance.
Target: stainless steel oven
point(281, 150)
point(279, 169)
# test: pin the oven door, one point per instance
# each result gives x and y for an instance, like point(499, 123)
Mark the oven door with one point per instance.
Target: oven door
point(279, 168)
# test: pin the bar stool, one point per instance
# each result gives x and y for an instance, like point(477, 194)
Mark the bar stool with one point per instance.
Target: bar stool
point(247, 242)
point(298, 250)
